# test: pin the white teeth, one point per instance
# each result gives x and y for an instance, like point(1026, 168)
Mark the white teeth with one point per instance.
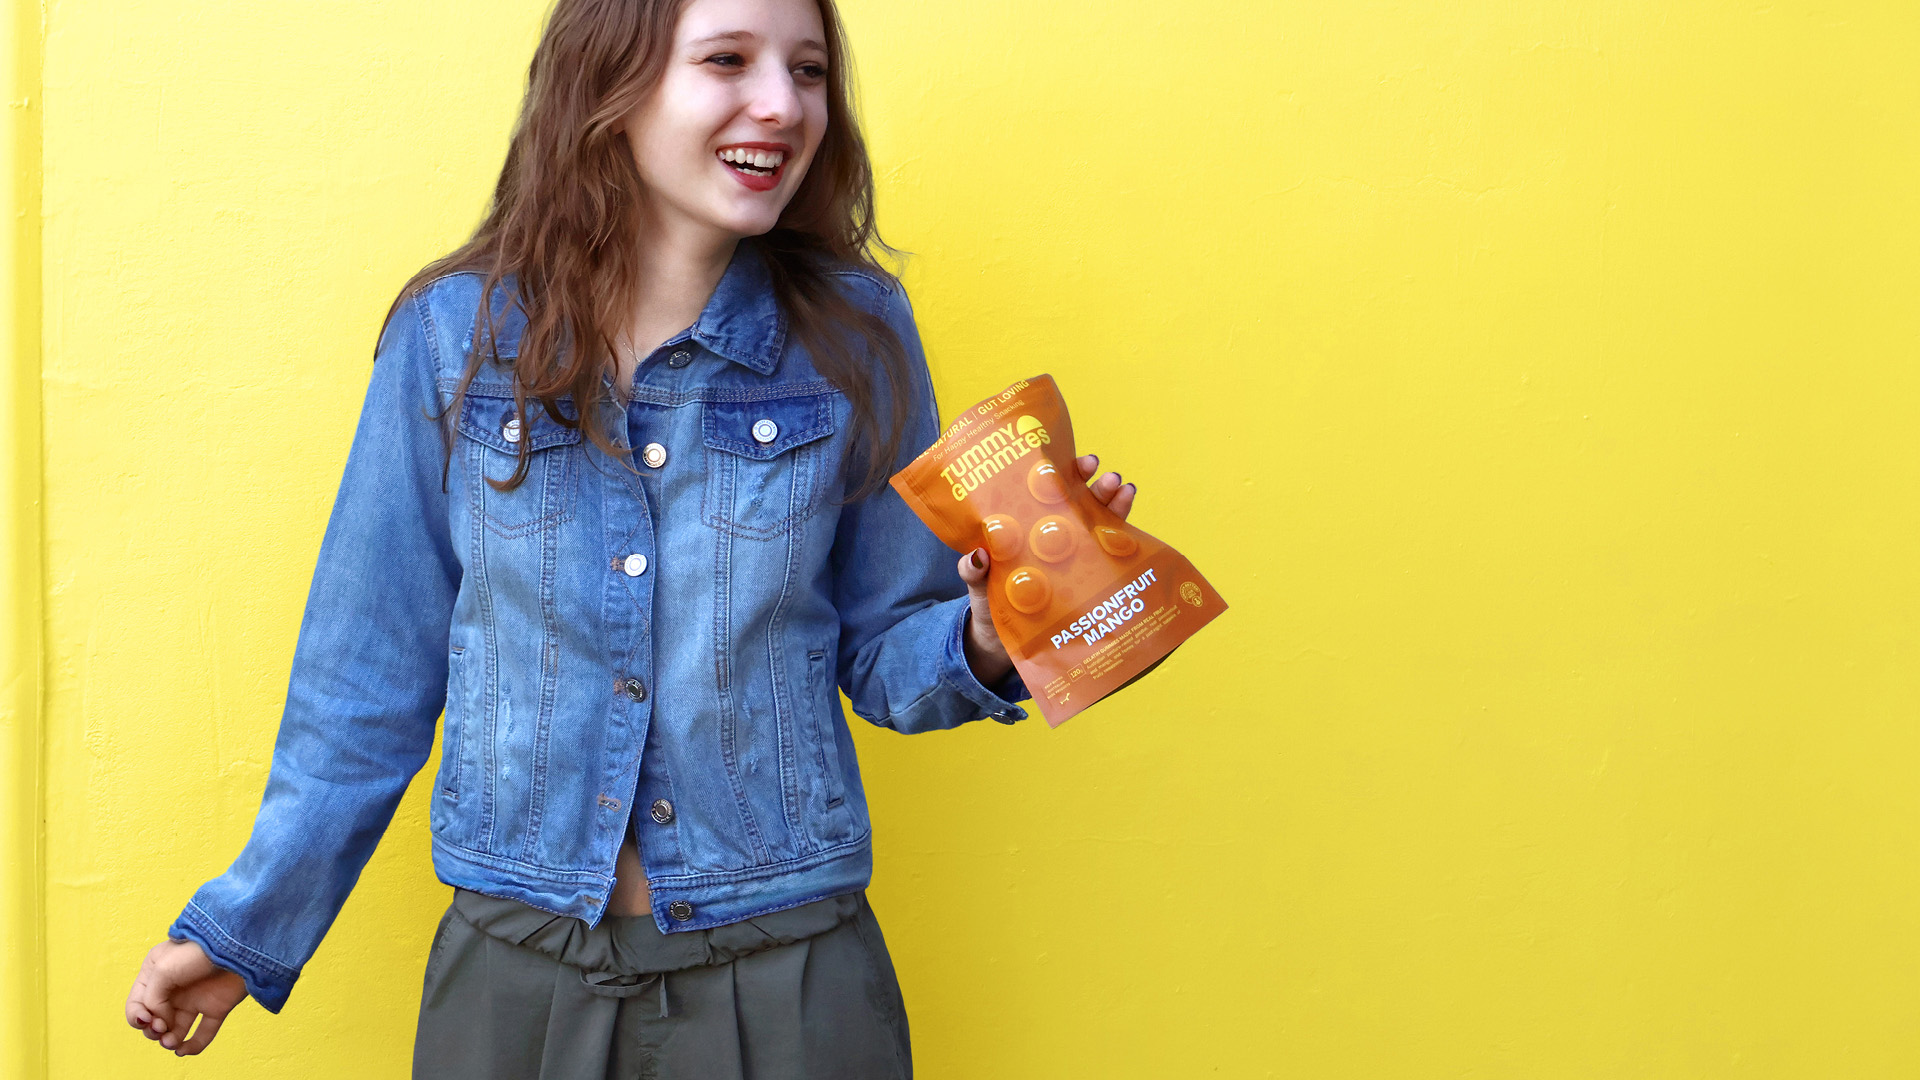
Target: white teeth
point(759, 159)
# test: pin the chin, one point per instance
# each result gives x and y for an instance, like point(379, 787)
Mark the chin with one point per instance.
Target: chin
point(755, 225)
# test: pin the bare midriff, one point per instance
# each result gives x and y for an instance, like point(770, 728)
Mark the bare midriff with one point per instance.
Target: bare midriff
point(630, 896)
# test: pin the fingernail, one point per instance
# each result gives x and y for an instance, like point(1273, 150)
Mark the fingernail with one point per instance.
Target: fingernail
point(979, 558)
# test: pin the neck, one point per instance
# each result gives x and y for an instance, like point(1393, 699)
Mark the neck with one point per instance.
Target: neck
point(678, 266)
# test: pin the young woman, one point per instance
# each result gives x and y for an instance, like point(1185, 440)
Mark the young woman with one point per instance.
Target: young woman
point(626, 525)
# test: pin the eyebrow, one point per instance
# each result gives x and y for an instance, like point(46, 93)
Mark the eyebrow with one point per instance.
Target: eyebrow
point(748, 35)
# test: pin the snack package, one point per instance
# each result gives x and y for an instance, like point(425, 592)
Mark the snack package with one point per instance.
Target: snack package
point(1083, 601)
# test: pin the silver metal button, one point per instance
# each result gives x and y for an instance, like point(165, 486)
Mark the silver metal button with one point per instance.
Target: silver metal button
point(680, 358)
point(634, 689)
point(765, 431)
point(662, 811)
point(635, 565)
point(510, 430)
point(680, 910)
point(654, 455)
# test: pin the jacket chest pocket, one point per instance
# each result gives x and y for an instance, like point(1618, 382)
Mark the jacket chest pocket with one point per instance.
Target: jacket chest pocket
point(765, 462)
point(492, 436)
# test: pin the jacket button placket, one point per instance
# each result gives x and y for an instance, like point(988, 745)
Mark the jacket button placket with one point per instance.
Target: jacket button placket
point(629, 534)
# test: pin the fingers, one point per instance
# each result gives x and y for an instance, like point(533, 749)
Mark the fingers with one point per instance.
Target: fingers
point(158, 1026)
point(147, 1005)
point(1103, 488)
point(209, 1027)
point(1114, 493)
point(153, 1027)
point(177, 1029)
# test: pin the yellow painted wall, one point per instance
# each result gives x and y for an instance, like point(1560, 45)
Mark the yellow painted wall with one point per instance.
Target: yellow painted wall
point(1538, 381)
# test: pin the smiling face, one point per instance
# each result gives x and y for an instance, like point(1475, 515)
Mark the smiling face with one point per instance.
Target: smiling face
point(724, 139)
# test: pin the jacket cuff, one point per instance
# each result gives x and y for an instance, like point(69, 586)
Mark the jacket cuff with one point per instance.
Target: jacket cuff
point(997, 701)
point(269, 981)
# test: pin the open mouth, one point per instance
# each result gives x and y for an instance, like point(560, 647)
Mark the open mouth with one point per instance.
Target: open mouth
point(759, 164)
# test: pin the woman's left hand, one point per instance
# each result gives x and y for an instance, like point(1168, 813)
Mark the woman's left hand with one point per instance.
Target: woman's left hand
point(985, 655)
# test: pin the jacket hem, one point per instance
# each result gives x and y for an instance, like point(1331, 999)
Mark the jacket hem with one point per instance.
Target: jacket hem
point(716, 899)
point(580, 894)
point(719, 899)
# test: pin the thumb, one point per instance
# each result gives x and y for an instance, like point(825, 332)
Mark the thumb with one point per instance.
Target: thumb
point(973, 571)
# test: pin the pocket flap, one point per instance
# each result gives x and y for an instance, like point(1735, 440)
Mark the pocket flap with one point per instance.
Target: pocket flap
point(485, 419)
point(769, 427)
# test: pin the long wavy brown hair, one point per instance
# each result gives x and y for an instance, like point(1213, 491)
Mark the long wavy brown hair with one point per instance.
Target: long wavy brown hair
point(563, 231)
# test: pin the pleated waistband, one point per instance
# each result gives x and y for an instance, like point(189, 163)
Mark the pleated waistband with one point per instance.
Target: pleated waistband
point(633, 945)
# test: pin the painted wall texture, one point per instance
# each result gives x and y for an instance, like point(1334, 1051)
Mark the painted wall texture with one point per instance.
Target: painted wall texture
point(1537, 381)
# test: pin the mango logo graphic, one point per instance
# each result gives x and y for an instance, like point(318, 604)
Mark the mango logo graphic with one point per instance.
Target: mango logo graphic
point(1031, 430)
point(1190, 593)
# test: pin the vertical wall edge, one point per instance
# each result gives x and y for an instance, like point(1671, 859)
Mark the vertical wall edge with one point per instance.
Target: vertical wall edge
point(23, 1027)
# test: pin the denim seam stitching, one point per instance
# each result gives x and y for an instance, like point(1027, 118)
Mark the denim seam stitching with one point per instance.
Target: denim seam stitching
point(786, 735)
point(767, 870)
point(729, 712)
point(206, 924)
point(501, 862)
point(549, 689)
point(829, 770)
point(450, 731)
point(490, 688)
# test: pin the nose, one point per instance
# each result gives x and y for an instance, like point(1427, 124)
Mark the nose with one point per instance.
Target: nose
point(776, 101)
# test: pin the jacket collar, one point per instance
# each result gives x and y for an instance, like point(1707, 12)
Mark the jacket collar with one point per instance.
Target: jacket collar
point(742, 320)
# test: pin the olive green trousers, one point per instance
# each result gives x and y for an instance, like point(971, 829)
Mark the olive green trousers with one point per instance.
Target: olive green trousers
point(515, 992)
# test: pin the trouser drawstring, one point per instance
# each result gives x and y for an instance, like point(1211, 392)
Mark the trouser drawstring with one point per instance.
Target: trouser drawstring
point(606, 984)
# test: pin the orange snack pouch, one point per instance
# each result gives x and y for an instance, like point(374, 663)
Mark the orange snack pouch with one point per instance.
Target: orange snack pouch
point(1083, 601)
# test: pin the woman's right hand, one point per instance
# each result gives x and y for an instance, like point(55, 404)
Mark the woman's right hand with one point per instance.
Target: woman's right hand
point(177, 983)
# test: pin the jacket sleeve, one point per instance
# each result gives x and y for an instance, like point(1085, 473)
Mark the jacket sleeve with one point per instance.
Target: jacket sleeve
point(903, 607)
point(369, 680)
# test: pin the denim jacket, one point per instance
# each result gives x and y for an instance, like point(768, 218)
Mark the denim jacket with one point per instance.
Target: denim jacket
point(650, 644)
